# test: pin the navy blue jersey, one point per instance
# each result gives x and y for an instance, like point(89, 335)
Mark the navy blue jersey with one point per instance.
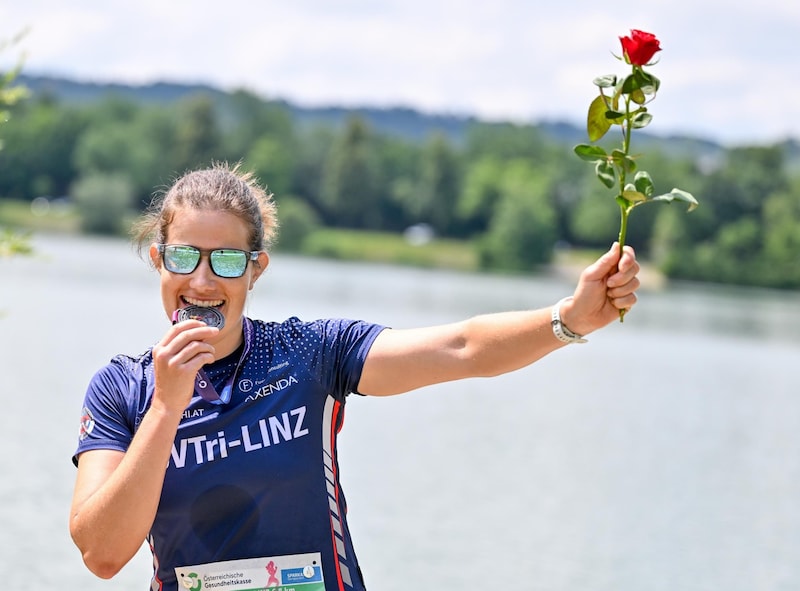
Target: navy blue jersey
point(256, 478)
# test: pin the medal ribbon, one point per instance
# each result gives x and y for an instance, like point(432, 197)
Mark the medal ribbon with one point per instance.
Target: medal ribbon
point(202, 384)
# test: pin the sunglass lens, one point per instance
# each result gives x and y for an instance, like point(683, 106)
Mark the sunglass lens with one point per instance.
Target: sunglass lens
point(228, 263)
point(181, 259)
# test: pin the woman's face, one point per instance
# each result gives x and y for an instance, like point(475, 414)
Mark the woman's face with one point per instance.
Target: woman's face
point(208, 230)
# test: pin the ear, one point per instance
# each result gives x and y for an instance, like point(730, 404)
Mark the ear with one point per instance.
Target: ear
point(155, 257)
point(261, 264)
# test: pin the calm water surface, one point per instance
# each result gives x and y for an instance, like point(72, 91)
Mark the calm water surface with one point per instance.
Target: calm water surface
point(663, 455)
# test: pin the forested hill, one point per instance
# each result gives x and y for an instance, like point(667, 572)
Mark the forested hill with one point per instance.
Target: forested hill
point(401, 122)
point(511, 191)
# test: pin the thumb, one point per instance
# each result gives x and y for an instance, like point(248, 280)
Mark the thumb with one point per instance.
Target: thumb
point(604, 265)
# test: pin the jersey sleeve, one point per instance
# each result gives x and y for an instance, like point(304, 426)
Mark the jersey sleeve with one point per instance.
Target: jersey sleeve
point(335, 351)
point(348, 342)
point(107, 419)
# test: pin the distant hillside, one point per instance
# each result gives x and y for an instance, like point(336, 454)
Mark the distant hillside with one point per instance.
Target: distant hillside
point(71, 91)
point(398, 121)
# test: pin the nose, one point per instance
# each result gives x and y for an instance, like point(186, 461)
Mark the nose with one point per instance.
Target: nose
point(203, 275)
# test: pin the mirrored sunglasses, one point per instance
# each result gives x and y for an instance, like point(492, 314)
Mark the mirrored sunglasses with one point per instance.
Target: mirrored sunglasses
point(225, 262)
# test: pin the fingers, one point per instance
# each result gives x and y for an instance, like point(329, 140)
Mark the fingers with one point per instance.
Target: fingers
point(622, 285)
point(605, 287)
point(188, 339)
point(177, 359)
point(604, 265)
point(627, 269)
point(612, 268)
point(625, 302)
point(183, 344)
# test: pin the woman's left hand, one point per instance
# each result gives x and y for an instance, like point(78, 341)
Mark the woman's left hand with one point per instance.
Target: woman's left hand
point(604, 288)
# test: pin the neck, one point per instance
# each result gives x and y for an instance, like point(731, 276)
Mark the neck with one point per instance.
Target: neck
point(230, 342)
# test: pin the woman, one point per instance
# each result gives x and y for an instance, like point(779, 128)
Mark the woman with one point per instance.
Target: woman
point(218, 444)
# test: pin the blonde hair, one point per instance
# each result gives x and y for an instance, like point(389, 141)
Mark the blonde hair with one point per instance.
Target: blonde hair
point(218, 188)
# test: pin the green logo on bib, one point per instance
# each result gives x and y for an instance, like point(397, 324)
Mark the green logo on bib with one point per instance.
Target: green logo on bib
point(191, 582)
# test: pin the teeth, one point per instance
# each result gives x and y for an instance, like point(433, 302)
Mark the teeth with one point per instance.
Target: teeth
point(204, 303)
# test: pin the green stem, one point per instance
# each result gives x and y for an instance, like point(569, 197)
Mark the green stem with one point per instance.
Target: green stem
point(623, 206)
point(623, 231)
point(623, 227)
point(626, 142)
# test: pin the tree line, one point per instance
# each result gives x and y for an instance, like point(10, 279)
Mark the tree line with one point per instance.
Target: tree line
point(513, 192)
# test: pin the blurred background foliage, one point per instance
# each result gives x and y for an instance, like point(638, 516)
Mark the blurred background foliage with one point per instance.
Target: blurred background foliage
point(511, 197)
point(10, 94)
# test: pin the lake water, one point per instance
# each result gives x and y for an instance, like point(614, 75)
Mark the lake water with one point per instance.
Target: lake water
point(663, 455)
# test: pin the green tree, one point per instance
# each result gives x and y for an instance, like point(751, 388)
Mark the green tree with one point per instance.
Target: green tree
point(522, 231)
point(350, 181)
point(263, 132)
point(480, 194)
point(251, 118)
point(298, 221)
point(781, 227)
point(313, 147)
point(504, 142)
point(153, 162)
point(593, 219)
point(104, 202)
point(138, 144)
point(38, 156)
point(746, 179)
point(198, 136)
point(273, 162)
point(507, 141)
point(439, 185)
point(669, 236)
point(10, 94)
point(399, 165)
point(748, 223)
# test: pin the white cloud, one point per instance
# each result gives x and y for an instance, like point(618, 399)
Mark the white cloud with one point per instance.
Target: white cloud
point(505, 59)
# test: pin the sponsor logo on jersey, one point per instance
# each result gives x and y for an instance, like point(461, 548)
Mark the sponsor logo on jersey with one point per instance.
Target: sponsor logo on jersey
point(87, 423)
point(267, 432)
point(271, 388)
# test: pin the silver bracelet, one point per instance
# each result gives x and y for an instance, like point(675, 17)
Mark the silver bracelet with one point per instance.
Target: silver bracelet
point(561, 332)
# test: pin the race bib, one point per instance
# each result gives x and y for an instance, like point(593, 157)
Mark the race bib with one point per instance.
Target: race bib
point(298, 572)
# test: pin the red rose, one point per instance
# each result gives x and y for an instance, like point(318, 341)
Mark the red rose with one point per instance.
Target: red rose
point(640, 47)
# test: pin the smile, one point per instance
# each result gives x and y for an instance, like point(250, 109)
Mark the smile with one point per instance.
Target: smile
point(203, 303)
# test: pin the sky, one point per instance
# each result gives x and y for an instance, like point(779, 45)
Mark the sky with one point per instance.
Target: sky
point(729, 69)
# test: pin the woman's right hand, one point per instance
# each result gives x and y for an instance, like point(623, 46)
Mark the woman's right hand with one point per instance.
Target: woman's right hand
point(177, 358)
point(117, 493)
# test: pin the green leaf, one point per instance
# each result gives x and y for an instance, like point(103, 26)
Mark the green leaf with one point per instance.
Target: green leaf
point(624, 161)
point(638, 97)
point(615, 116)
point(641, 119)
point(607, 81)
point(634, 196)
point(596, 123)
point(624, 203)
point(615, 100)
point(590, 153)
point(640, 81)
point(631, 83)
point(643, 183)
point(605, 172)
point(649, 83)
point(678, 195)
